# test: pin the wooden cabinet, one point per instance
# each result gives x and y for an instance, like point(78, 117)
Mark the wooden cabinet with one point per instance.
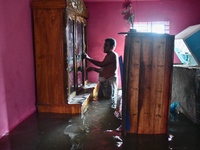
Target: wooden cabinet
point(60, 28)
point(148, 63)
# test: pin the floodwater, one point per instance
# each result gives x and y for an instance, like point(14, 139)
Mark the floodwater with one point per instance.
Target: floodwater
point(99, 129)
point(96, 129)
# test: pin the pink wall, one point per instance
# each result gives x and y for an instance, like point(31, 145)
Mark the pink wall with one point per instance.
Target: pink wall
point(105, 20)
point(17, 91)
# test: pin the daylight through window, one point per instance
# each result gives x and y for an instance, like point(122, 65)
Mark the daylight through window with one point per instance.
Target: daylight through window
point(156, 27)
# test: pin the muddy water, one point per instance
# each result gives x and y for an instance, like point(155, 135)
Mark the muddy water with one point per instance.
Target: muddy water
point(96, 129)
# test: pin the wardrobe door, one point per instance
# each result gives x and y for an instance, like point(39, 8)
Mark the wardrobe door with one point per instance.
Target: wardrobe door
point(71, 88)
point(85, 74)
point(79, 52)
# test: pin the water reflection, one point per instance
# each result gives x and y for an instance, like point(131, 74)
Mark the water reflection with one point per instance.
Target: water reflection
point(76, 131)
point(98, 126)
point(183, 133)
point(99, 129)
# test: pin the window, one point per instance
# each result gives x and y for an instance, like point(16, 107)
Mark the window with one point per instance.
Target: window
point(156, 27)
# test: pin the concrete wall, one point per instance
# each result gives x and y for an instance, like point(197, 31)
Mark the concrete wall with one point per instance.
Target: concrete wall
point(186, 91)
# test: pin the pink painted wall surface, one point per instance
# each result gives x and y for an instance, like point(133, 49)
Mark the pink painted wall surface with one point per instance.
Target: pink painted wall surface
point(105, 20)
point(17, 89)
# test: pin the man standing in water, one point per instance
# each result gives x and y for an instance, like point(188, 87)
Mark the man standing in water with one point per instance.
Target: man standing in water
point(107, 71)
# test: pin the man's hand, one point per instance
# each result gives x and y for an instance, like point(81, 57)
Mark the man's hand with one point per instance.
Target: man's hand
point(85, 56)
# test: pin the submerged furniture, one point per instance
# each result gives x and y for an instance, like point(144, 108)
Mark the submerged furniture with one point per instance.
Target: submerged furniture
point(60, 38)
point(147, 74)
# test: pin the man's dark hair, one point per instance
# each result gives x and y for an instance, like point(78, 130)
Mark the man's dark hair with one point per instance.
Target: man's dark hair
point(111, 41)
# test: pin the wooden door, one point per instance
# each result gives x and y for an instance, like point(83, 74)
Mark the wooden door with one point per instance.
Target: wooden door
point(80, 49)
point(70, 55)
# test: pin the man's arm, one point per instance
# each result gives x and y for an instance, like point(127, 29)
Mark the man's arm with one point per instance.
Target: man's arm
point(109, 58)
point(93, 69)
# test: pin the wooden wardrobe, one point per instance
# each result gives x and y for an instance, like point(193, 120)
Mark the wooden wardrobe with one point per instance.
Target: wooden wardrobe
point(60, 38)
point(147, 77)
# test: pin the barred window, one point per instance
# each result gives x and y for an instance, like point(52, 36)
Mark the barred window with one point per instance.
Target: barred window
point(156, 26)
